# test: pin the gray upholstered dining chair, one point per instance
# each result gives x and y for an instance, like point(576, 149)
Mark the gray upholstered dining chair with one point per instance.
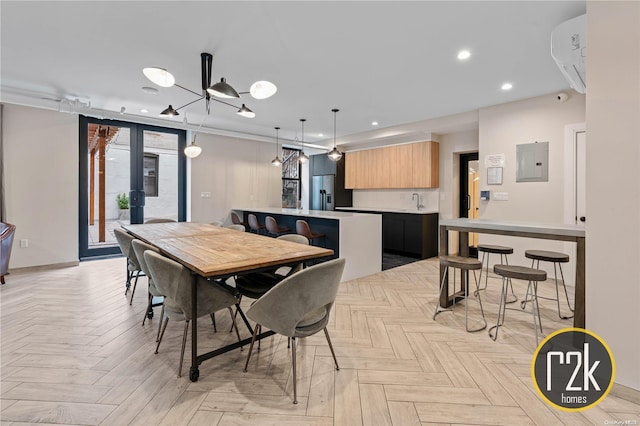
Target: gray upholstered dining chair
point(236, 227)
point(139, 247)
point(175, 282)
point(299, 306)
point(133, 266)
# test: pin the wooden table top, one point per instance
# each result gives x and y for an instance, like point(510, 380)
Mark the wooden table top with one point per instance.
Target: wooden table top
point(213, 251)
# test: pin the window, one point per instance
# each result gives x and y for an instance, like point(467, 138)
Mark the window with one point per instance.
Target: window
point(291, 171)
point(150, 175)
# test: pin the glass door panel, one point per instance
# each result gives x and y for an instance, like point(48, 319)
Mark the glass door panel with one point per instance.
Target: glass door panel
point(128, 173)
point(160, 175)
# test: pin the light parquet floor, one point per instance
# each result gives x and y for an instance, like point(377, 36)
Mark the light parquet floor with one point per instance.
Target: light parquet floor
point(74, 352)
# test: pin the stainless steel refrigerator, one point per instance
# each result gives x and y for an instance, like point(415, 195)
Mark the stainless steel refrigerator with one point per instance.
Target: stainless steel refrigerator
point(323, 192)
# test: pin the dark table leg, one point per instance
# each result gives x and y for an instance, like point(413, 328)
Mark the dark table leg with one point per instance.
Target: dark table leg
point(444, 251)
point(194, 372)
point(579, 300)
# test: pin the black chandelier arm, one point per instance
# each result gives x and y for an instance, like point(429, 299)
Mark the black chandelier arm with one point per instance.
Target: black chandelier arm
point(223, 102)
point(192, 102)
point(189, 90)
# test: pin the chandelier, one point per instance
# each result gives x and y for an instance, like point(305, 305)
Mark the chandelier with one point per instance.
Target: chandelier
point(210, 92)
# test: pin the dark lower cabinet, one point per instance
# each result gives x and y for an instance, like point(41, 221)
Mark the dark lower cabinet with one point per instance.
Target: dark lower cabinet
point(415, 235)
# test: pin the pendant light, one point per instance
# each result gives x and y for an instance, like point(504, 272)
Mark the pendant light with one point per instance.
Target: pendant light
point(193, 150)
point(277, 161)
point(334, 154)
point(303, 158)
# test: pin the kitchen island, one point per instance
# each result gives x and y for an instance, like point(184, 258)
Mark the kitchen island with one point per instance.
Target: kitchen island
point(356, 237)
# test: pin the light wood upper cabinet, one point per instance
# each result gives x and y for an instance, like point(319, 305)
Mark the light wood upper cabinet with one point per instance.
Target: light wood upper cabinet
point(399, 166)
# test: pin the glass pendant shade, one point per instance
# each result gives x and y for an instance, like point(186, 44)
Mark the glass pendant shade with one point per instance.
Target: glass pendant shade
point(222, 89)
point(246, 112)
point(334, 154)
point(303, 158)
point(159, 76)
point(276, 161)
point(263, 89)
point(192, 151)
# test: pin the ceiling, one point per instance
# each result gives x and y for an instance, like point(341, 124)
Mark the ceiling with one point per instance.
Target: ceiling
point(391, 62)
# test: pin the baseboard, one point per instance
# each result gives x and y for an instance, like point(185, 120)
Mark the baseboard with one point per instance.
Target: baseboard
point(626, 393)
point(44, 267)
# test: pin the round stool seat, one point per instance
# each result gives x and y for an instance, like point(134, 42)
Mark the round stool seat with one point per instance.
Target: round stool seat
point(495, 249)
point(466, 263)
point(546, 256)
point(520, 272)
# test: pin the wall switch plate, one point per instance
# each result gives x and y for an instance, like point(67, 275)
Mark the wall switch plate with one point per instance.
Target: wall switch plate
point(205, 195)
point(24, 243)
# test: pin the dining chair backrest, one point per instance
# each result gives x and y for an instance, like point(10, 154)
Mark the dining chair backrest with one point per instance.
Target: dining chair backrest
point(253, 222)
point(302, 228)
point(235, 219)
point(216, 223)
point(124, 240)
point(159, 220)
point(175, 282)
point(312, 290)
point(294, 238)
point(235, 227)
point(272, 225)
point(139, 248)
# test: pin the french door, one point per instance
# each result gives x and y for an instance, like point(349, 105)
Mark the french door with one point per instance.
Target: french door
point(128, 173)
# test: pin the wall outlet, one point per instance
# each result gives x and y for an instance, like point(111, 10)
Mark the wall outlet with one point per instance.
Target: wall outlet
point(24, 243)
point(205, 195)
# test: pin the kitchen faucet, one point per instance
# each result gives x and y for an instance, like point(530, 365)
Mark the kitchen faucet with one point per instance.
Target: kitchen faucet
point(417, 197)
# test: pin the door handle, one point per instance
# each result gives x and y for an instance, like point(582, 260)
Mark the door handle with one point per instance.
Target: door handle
point(468, 202)
point(583, 219)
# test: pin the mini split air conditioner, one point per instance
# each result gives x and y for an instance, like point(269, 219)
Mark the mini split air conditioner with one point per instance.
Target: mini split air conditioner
point(569, 50)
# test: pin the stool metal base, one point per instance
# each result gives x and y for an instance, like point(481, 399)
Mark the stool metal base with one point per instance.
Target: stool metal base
point(439, 310)
point(523, 304)
point(486, 278)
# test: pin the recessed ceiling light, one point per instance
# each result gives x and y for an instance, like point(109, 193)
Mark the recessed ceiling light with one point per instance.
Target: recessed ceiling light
point(507, 86)
point(320, 135)
point(464, 54)
point(374, 123)
point(144, 111)
point(150, 90)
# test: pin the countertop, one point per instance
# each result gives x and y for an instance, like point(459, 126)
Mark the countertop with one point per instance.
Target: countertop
point(516, 226)
point(322, 214)
point(388, 210)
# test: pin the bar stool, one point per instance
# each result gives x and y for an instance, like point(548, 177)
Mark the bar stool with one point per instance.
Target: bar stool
point(507, 272)
point(302, 228)
point(273, 228)
point(555, 258)
point(254, 225)
point(235, 219)
point(486, 250)
point(465, 264)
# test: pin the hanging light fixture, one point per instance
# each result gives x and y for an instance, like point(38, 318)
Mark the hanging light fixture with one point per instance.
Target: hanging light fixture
point(193, 150)
point(277, 161)
point(334, 154)
point(303, 158)
point(222, 89)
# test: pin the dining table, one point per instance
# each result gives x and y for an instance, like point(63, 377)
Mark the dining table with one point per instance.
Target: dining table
point(217, 253)
point(547, 231)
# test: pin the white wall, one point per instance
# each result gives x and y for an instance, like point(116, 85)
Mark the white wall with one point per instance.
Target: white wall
point(237, 172)
point(395, 198)
point(41, 178)
point(501, 128)
point(613, 201)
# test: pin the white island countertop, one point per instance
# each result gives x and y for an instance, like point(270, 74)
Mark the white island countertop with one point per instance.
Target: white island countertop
point(388, 210)
point(320, 214)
